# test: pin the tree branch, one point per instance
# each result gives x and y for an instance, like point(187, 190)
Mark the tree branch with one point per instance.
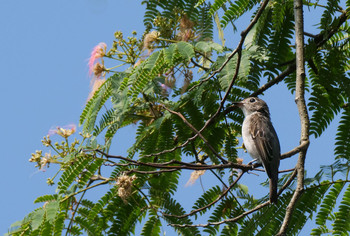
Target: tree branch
point(303, 113)
point(197, 132)
point(179, 165)
point(239, 47)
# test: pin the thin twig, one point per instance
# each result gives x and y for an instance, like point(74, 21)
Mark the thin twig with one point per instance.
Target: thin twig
point(289, 181)
point(83, 190)
point(75, 210)
point(149, 172)
point(196, 131)
point(198, 65)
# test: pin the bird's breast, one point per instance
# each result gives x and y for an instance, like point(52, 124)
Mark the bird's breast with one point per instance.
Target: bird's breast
point(248, 140)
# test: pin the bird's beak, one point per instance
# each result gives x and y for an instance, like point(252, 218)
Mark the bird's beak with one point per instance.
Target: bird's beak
point(233, 107)
point(238, 104)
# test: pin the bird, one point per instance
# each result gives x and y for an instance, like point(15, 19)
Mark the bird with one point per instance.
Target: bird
point(260, 139)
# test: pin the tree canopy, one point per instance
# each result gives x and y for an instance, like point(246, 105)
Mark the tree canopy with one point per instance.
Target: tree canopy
point(176, 82)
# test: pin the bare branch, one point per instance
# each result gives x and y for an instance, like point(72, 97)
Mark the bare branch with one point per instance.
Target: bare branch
point(294, 151)
point(83, 190)
point(303, 113)
point(198, 65)
point(150, 172)
point(289, 181)
point(290, 69)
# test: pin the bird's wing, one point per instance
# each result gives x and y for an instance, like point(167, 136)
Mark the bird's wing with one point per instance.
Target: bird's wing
point(266, 142)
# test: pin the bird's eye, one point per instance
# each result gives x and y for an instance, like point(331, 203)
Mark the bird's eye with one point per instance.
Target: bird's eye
point(252, 100)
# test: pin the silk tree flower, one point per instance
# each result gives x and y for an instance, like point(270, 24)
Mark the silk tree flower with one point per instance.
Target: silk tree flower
point(64, 131)
point(124, 182)
point(45, 161)
point(194, 176)
point(95, 86)
point(149, 39)
point(96, 68)
point(98, 52)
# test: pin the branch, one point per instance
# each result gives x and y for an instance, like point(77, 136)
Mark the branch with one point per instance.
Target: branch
point(303, 113)
point(179, 164)
point(290, 69)
point(289, 181)
point(198, 65)
point(83, 190)
point(244, 213)
point(196, 131)
point(149, 172)
point(323, 37)
point(295, 150)
point(239, 47)
point(76, 209)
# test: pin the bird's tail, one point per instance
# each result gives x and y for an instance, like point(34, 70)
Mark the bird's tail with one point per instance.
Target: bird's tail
point(273, 188)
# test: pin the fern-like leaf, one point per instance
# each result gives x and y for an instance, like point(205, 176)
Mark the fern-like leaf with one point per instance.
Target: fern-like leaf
point(71, 174)
point(328, 203)
point(342, 144)
point(341, 225)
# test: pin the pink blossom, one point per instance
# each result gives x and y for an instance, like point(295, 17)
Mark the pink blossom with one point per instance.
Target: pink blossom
point(98, 52)
point(95, 86)
point(66, 130)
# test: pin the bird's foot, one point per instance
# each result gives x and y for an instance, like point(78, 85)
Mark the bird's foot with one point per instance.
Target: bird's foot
point(251, 162)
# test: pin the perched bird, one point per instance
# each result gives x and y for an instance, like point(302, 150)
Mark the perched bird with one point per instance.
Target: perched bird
point(260, 139)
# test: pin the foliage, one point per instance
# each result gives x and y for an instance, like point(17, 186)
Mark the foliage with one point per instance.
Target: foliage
point(177, 91)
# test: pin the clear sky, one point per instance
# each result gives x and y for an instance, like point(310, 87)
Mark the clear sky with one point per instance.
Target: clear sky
point(45, 46)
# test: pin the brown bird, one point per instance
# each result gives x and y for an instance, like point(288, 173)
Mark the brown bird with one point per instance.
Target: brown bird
point(260, 139)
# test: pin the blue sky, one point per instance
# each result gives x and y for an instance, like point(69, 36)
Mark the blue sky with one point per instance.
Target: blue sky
point(45, 46)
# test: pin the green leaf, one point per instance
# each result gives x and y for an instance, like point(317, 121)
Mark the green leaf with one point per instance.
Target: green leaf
point(341, 225)
point(328, 203)
point(186, 50)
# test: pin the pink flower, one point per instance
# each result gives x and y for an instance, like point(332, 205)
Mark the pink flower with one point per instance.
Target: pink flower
point(95, 86)
point(64, 131)
point(98, 52)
